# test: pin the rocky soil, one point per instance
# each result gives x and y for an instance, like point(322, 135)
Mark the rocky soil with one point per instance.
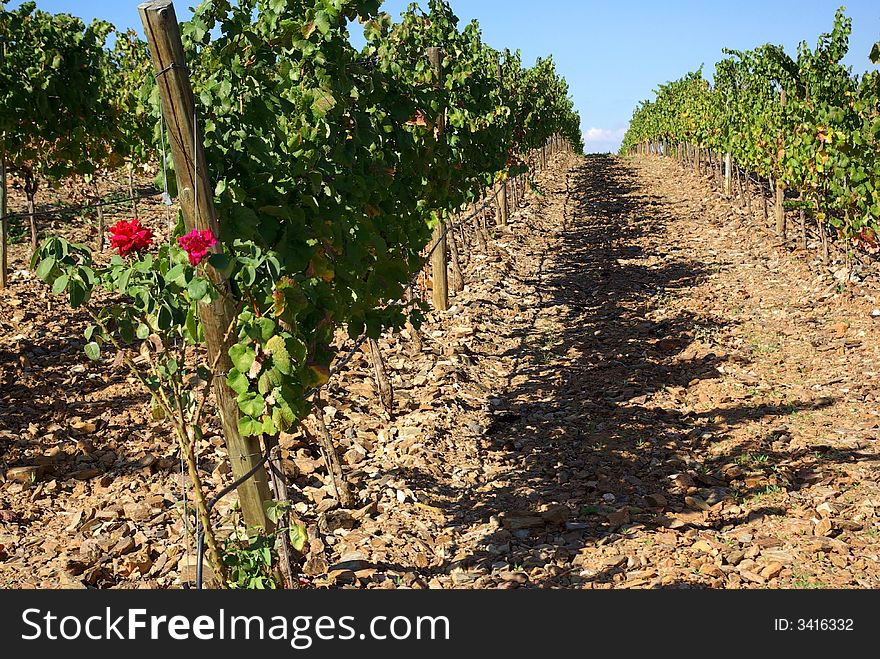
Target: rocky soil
point(639, 387)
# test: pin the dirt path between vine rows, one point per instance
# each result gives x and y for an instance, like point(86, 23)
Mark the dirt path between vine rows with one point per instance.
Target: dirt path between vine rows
point(637, 388)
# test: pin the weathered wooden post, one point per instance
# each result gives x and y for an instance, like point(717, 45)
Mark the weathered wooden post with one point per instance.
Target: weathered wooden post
point(4, 259)
point(503, 208)
point(197, 203)
point(780, 191)
point(728, 165)
point(439, 259)
point(383, 383)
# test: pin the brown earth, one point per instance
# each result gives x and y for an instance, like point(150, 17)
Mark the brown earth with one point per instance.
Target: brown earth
point(639, 387)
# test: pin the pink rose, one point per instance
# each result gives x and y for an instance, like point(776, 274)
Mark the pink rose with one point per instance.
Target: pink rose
point(196, 244)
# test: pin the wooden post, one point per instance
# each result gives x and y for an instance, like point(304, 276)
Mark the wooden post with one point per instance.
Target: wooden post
point(99, 241)
point(32, 221)
point(478, 234)
point(414, 335)
point(456, 279)
point(30, 193)
point(748, 187)
point(4, 259)
point(803, 219)
point(728, 165)
point(331, 458)
point(739, 184)
point(764, 200)
point(503, 209)
point(178, 106)
point(780, 210)
point(383, 384)
point(439, 259)
point(780, 190)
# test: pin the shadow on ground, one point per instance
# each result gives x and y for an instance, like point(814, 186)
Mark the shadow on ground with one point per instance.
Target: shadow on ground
point(581, 431)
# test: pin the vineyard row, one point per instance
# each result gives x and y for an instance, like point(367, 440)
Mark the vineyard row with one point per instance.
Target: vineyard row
point(807, 125)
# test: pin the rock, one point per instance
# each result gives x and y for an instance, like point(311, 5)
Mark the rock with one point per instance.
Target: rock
point(611, 562)
point(137, 512)
point(667, 538)
point(125, 545)
point(744, 538)
point(826, 509)
point(336, 519)
point(696, 503)
point(461, 578)
point(342, 577)
point(25, 475)
point(682, 481)
point(735, 557)
point(768, 542)
point(576, 526)
point(515, 577)
point(75, 521)
point(751, 576)
point(778, 556)
point(86, 474)
point(516, 521)
point(731, 472)
point(656, 501)
point(83, 427)
point(712, 570)
point(555, 514)
point(619, 517)
point(315, 566)
point(824, 528)
point(306, 466)
point(353, 457)
point(772, 570)
point(702, 546)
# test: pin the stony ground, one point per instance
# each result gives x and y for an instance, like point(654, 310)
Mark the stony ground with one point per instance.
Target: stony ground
point(639, 387)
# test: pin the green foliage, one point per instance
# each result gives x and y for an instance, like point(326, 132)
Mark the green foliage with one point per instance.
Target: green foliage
point(249, 562)
point(808, 122)
point(330, 174)
point(54, 118)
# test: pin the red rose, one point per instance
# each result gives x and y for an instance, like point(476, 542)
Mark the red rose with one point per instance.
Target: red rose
point(127, 237)
point(196, 244)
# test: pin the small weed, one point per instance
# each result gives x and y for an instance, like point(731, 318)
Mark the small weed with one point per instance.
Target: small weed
point(759, 347)
point(803, 581)
point(250, 563)
point(750, 458)
point(706, 334)
point(589, 510)
point(769, 491)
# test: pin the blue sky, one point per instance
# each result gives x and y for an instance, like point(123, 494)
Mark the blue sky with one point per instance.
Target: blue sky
point(614, 54)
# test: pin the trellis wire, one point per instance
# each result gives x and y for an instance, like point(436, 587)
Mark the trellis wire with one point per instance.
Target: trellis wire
point(72, 210)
